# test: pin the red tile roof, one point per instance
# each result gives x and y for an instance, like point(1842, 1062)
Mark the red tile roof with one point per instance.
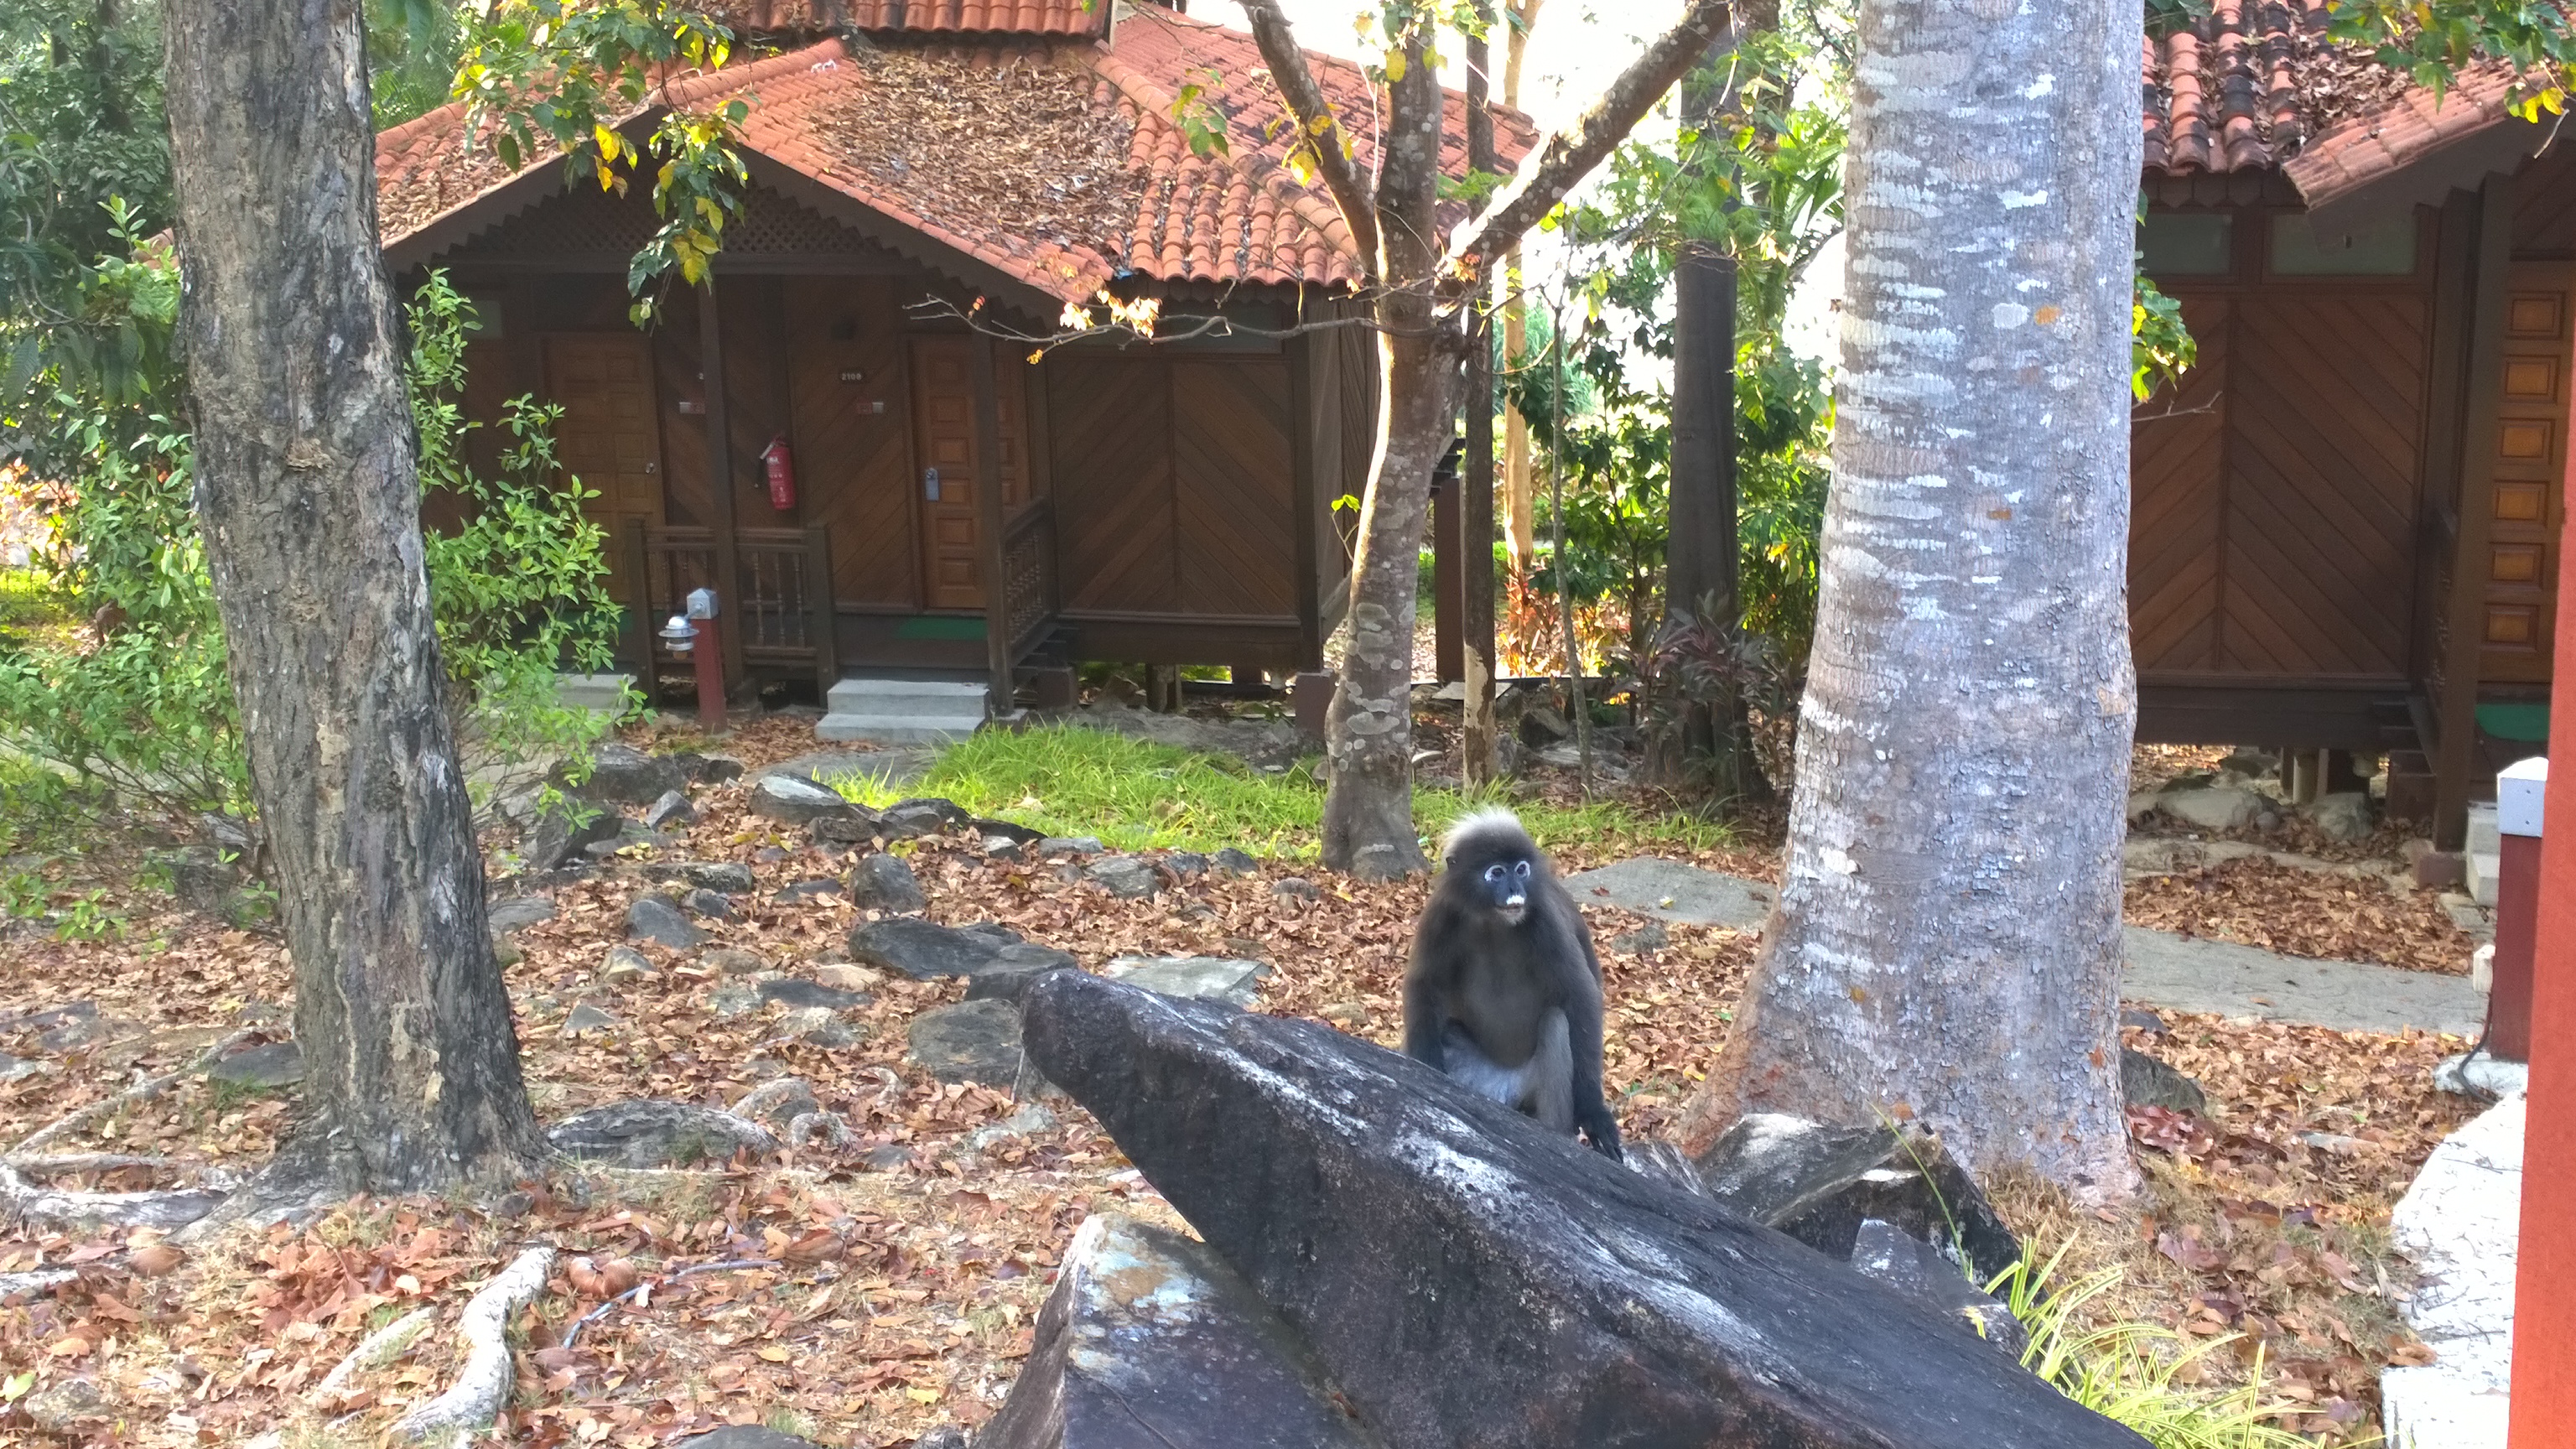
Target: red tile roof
point(920, 17)
point(999, 187)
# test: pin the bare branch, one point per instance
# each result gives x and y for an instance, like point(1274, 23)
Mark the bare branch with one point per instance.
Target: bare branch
point(1318, 128)
point(135, 1093)
point(1569, 155)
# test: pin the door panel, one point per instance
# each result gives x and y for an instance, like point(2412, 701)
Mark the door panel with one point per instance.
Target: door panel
point(943, 410)
point(609, 437)
point(2516, 624)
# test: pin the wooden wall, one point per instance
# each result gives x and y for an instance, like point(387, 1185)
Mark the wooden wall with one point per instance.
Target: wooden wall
point(853, 461)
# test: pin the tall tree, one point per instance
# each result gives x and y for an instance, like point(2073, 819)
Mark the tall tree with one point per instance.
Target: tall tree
point(308, 495)
point(1417, 295)
point(1947, 944)
point(1520, 510)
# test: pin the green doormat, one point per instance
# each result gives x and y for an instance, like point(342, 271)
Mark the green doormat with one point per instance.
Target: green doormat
point(2524, 724)
point(940, 626)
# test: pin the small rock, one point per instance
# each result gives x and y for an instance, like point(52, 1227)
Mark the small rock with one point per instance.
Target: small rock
point(1067, 872)
point(795, 800)
point(670, 811)
point(2333, 1142)
point(946, 1436)
point(730, 877)
point(910, 822)
point(1125, 877)
point(790, 991)
point(973, 1041)
point(1050, 846)
point(842, 976)
point(2147, 1082)
point(628, 776)
point(58, 1407)
point(920, 949)
point(734, 998)
point(707, 903)
point(2142, 803)
point(819, 1026)
point(1649, 937)
point(734, 961)
point(1231, 861)
point(587, 1017)
point(749, 1436)
point(2143, 1020)
point(2480, 1077)
point(948, 811)
point(1011, 830)
point(1351, 1016)
point(707, 769)
point(1029, 1121)
point(1296, 888)
point(2217, 807)
point(1186, 863)
point(646, 1133)
point(2343, 817)
point(624, 964)
point(808, 890)
point(886, 1159)
point(204, 880)
point(506, 953)
point(565, 831)
point(654, 919)
point(1543, 725)
point(1001, 847)
point(518, 913)
point(260, 1068)
point(1197, 978)
point(1013, 968)
point(885, 883)
point(859, 827)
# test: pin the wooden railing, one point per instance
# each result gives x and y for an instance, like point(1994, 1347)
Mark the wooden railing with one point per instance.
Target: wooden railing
point(1028, 585)
point(774, 591)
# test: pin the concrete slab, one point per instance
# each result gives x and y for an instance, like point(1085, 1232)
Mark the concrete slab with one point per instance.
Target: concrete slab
point(594, 691)
point(2179, 973)
point(2460, 1223)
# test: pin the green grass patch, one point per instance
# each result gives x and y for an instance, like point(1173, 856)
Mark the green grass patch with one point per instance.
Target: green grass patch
point(1136, 795)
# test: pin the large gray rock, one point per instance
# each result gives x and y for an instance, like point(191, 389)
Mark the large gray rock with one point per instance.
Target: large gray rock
point(1150, 1340)
point(795, 800)
point(670, 810)
point(885, 883)
point(1468, 1277)
point(922, 950)
point(260, 1068)
point(1671, 891)
point(1918, 1270)
point(2343, 816)
point(973, 1041)
point(1124, 876)
point(565, 831)
point(746, 1436)
point(2148, 1082)
point(651, 918)
point(2212, 807)
point(1198, 978)
point(627, 776)
point(1819, 1183)
point(518, 913)
point(648, 1133)
point(797, 992)
point(726, 877)
point(1013, 968)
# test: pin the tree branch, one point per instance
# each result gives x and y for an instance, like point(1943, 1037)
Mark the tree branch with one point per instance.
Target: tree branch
point(1318, 129)
point(1569, 155)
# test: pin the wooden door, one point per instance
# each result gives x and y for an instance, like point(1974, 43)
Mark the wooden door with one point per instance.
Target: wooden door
point(2516, 620)
point(608, 437)
point(948, 490)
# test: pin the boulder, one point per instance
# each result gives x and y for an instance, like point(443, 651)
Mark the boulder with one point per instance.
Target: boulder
point(726, 877)
point(260, 1068)
point(913, 820)
point(859, 827)
point(1186, 863)
point(1649, 937)
point(948, 811)
point(885, 883)
point(2343, 817)
point(778, 1102)
point(587, 1017)
point(707, 903)
point(819, 1025)
point(1295, 888)
point(745, 1436)
point(1149, 1339)
point(791, 991)
point(1918, 1270)
point(654, 919)
point(625, 963)
point(1011, 830)
point(12, 1068)
point(518, 913)
point(2148, 1082)
point(1818, 1183)
point(707, 769)
point(1050, 846)
point(565, 830)
point(973, 1041)
point(648, 1133)
point(795, 800)
point(2211, 807)
point(1008, 975)
point(625, 775)
point(1231, 861)
point(734, 961)
point(921, 949)
point(1029, 1121)
point(1196, 978)
point(1543, 725)
point(1468, 1277)
point(993, 931)
point(1125, 877)
point(669, 811)
point(732, 999)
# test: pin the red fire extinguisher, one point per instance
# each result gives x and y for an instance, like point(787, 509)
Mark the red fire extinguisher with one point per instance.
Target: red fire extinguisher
point(781, 465)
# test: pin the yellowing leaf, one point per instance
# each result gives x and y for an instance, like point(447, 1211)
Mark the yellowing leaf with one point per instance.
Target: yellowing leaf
point(1394, 66)
point(775, 1352)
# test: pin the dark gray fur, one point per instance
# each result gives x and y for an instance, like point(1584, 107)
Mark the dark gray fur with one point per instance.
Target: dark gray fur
point(1509, 1009)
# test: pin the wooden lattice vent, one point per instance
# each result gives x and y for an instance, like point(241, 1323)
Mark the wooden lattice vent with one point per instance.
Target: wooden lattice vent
point(587, 222)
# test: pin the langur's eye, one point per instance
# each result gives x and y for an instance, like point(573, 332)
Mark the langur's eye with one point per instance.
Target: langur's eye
point(1493, 872)
point(1521, 870)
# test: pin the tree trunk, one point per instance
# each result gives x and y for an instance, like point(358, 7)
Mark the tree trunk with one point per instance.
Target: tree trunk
point(1947, 944)
point(1368, 812)
point(1476, 734)
point(308, 495)
point(1520, 513)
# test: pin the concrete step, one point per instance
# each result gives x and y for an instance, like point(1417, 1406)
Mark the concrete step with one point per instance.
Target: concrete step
point(942, 699)
point(905, 729)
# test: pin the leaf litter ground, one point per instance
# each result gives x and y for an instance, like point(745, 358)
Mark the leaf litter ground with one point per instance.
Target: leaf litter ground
point(894, 1291)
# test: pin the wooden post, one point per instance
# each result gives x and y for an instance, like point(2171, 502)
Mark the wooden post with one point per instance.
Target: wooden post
point(823, 622)
point(2544, 1328)
point(720, 480)
point(639, 612)
point(988, 522)
point(1447, 643)
point(2455, 757)
point(1476, 477)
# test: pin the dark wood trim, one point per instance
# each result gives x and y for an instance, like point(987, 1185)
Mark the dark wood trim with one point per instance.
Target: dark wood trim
point(2317, 718)
point(1194, 621)
point(1037, 469)
point(720, 485)
point(2455, 713)
point(2438, 528)
point(911, 242)
point(822, 622)
point(737, 264)
point(989, 519)
point(1311, 392)
point(640, 623)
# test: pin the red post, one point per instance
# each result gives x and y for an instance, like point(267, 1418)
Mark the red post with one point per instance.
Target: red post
point(2517, 919)
point(707, 649)
point(2544, 1328)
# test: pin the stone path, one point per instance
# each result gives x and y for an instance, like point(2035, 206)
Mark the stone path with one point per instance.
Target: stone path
point(2179, 973)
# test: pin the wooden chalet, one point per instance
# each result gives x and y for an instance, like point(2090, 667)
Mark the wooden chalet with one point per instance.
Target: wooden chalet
point(958, 507)
point(2346, 520)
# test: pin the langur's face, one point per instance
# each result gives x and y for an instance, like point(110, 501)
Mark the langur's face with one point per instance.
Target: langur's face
point(1506, 884)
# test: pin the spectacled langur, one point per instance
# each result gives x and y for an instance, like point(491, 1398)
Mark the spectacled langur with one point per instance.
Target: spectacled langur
point(1503, 992)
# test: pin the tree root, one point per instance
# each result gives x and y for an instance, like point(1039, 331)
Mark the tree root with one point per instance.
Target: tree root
point(471, 1403)
point(658, 1284)
point(69, 1162)
point(13, 1284)
point(807, 1126)
point(376, 1350)
point(45, 1208)
point(135, 1093)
